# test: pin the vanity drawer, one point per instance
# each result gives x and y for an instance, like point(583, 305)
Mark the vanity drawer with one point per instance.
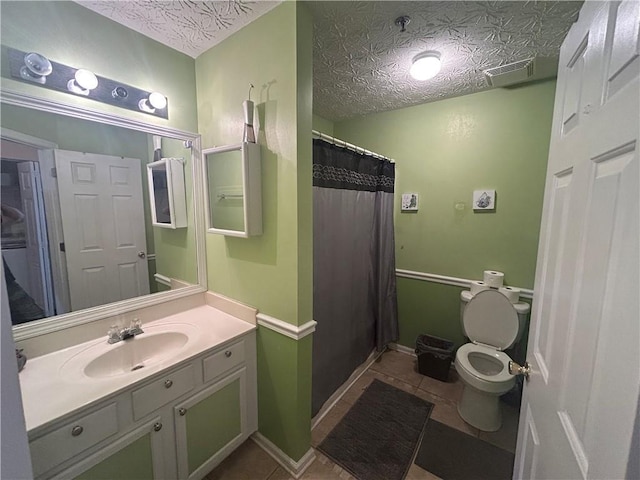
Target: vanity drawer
point(224, 360)
point(72, 438)
point(162, 391)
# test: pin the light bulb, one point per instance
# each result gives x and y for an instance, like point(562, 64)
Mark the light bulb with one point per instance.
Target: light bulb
point(425, 66)
point(86, 79)
point(154, 101)
point(36, 68)
point(157, 100)
point(83, 82)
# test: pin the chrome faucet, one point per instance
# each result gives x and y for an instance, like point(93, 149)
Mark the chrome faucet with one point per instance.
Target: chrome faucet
point(117, 334)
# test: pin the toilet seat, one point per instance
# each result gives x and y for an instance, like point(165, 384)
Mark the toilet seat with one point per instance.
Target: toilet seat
point(480, 380)
point(490, 319)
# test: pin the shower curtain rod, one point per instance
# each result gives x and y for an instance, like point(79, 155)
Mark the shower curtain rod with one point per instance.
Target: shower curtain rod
point(350, 146)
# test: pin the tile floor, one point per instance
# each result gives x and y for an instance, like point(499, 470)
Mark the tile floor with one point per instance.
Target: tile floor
point(250, 462)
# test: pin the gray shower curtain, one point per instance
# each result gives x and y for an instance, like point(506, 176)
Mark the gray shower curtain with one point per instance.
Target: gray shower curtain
point(354, 283)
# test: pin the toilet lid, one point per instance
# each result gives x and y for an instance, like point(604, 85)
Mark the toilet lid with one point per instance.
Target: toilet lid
point(489, 318)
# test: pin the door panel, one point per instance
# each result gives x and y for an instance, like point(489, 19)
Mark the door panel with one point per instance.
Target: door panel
point(623, 46)
point(545, 334)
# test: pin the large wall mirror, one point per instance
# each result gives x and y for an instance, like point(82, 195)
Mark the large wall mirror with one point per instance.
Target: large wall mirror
point(78, 240)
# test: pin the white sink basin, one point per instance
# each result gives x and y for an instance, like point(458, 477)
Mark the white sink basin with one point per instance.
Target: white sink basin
point(156, 345)
point(136, 353)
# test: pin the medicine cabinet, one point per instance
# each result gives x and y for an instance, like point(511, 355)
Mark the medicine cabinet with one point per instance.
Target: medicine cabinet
point(233, 190)
point(167, 193)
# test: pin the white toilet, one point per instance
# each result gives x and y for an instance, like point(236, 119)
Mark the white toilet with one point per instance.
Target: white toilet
point(493, 324)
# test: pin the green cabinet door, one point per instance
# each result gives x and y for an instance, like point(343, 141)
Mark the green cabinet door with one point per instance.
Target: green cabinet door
point(132, 462)
point(209, 425)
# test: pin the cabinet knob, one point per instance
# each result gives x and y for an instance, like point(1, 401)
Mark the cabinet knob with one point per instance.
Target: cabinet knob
point(168, 383)
point(77, 430)
point(157, 427)
point(228, 353)
point(182, 411)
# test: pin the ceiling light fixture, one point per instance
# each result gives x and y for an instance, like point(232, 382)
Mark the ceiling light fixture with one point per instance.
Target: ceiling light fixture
point(402, 22)
point(83, 82)
point(154, 101)
point(426, 65)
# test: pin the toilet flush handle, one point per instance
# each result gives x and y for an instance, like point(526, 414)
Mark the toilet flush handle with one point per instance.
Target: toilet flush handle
point(515, 369)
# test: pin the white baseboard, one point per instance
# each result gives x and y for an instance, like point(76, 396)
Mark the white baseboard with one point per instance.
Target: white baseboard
point(402, 349)
point(337, 395)
point(296, 469)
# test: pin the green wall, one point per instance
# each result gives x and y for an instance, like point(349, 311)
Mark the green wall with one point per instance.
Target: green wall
point(68, 33)
point(497, 139)
point(271, 272)
point(322, 125)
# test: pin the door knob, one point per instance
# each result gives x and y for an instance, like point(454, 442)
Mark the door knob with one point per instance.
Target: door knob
point(515, 369)
point(142, 254)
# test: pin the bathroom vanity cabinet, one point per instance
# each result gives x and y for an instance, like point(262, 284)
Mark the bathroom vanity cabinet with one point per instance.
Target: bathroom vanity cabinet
point(178, 423)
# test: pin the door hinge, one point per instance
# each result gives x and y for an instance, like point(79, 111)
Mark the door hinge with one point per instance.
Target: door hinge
point(62, 248)
point(54, 173)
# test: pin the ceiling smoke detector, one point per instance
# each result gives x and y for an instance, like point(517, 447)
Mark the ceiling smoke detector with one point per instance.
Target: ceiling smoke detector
point(510, 74)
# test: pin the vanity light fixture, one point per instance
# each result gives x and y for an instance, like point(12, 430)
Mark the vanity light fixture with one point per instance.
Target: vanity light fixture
point(426, 65)
point(36, 68)
point(154, 101)
point(82, 82)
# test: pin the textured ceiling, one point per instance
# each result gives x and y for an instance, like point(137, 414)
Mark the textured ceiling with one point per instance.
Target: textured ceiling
point(361, 59)
point(189, 26)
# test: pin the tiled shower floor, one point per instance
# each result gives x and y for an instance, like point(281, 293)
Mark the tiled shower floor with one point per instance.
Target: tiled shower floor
point(250, 462)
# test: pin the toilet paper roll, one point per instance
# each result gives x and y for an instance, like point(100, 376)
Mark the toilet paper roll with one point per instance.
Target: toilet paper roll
point(478, 286)
point(513, 294)
point(493, 279)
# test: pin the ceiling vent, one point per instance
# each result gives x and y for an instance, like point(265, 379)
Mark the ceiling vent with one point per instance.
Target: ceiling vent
point(511, 73)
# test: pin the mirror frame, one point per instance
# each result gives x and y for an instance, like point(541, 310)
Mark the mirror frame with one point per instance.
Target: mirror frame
point(81, 317)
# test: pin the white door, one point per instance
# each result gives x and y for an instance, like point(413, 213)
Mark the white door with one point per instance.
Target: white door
point(579, 407)
point(40, 283)
point(103, 224)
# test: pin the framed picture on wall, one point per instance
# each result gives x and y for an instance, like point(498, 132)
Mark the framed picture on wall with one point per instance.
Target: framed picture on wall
point(484, 199)
point(409, 202)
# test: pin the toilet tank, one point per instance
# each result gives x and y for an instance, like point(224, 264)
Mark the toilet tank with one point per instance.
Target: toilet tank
point(522, 308)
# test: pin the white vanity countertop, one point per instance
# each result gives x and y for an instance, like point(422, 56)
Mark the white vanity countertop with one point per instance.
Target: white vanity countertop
point(50, 391)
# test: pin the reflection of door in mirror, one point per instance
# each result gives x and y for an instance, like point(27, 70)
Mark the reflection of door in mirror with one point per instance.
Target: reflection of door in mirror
point(24, 238)
point(103, 224)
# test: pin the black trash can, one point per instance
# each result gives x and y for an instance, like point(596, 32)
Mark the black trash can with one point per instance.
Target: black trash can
point(434, 356)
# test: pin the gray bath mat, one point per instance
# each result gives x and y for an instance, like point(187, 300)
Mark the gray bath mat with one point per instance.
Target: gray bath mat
point(453, 455)
point(378, 437)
